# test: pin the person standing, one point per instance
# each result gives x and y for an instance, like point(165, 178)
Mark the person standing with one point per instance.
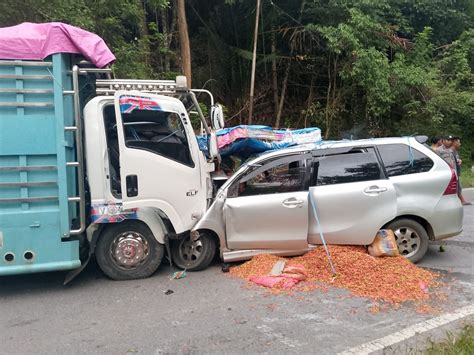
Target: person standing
point(445, 151)
point(436, 142)
point(457, 160)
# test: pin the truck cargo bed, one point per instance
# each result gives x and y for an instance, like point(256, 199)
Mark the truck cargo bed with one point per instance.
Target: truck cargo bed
point(36, 181)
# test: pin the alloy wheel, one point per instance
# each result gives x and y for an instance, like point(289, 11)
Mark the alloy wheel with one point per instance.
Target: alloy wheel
point(408, 241)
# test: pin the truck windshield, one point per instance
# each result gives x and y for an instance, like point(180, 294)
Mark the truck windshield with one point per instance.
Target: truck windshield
point(159, 132)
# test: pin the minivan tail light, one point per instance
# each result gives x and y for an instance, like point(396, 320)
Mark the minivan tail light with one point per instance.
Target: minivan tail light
point(452, 187)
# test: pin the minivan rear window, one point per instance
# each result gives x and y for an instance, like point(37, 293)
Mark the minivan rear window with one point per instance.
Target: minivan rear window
point(401, 159)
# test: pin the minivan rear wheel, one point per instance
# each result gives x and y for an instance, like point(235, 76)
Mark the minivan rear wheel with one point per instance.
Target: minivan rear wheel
point(412, 238)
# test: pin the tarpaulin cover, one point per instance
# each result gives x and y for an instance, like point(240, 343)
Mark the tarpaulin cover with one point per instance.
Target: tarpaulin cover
point(245, 140)
point(36, 41)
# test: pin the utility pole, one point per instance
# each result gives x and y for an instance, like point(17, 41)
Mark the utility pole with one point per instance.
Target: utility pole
point(254, 62)
point(184, 40)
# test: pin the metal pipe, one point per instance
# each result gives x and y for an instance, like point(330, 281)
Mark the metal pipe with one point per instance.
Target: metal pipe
point(79, 153)
point(207, 92)
point(201, 115)
point(94, 70)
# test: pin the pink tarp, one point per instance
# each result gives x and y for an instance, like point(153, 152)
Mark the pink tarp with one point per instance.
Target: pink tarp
point(36, 41)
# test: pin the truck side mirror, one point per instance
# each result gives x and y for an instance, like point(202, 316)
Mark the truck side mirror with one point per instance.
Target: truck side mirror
point(213, 148)
point(217, 116)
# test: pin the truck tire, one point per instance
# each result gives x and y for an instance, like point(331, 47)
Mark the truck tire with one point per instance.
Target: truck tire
point(128, 251)
point(411, 237)
point(194, 256)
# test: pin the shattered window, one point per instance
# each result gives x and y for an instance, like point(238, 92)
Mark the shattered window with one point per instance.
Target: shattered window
point(287, 177)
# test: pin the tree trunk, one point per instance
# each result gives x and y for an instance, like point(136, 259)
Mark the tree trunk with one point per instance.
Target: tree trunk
point(328, 100)
point(166, 34)
point(144, 33)
point(287, 73)
point(171, 31)
point(184, 40)
point(254, 62)
point(310, 99)
point(274, 73)
point(283, 92)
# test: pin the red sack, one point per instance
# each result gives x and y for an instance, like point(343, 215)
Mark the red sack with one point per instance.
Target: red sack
point(273, 281)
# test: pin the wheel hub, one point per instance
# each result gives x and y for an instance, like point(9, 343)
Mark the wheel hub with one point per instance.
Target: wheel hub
point(129, 249)
point(408, 241)
point(191, 250)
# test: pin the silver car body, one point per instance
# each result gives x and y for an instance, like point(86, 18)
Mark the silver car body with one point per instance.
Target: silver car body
point(286, 223)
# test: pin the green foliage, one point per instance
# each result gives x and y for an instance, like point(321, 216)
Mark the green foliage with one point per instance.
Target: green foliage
point(455, 345)
point(358, 68)
point(467, 177)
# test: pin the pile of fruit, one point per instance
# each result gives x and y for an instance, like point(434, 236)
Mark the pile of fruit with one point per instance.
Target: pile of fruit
point(389, 279)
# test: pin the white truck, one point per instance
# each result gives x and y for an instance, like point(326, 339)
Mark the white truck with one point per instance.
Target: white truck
point(100, 165)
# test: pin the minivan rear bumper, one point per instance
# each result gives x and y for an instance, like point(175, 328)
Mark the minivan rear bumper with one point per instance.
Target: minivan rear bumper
point(447, 217)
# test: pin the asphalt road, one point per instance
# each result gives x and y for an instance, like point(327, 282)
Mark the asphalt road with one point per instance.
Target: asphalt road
point(208, 312)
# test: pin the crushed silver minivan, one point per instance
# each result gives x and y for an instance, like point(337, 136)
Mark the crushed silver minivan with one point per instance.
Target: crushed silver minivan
point(283, 201)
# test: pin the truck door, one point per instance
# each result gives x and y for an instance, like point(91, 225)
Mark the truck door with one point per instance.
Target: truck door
point(159, 157)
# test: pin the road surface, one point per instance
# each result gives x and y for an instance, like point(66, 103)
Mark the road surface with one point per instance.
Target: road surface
point(209, 312)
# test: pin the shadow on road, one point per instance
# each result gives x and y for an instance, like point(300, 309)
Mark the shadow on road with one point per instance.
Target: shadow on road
point(48, 281)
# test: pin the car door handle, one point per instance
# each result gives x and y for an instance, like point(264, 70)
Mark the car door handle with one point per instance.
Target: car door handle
point(292, 203)
point(375, 190)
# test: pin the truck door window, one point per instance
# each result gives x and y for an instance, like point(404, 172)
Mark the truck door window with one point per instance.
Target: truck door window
point(159, 132)
point(110, 124)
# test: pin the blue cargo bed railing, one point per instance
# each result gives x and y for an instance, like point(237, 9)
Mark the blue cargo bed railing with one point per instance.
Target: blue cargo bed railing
point(39, 171)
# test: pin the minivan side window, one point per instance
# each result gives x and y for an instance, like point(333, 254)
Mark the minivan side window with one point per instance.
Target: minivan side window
point(355, 166)
point(281, 178)
point(401, 159)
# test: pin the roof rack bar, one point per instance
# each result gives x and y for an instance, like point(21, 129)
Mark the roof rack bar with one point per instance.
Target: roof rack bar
point(109, 87)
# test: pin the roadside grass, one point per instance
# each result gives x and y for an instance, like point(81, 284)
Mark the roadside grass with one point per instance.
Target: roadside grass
point(460, 344)
point(467, 177)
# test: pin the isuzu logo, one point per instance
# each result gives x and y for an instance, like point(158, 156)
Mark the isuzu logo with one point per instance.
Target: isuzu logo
point(191, 193)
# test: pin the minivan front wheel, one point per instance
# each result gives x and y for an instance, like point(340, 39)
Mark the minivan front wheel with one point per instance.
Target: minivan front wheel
point(412, 238)
point(194, 255)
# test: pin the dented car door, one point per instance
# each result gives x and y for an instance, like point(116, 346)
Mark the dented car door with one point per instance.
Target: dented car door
point(267, 207)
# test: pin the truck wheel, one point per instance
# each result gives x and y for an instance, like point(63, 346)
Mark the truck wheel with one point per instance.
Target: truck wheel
point(127, 251)
point(411, 237)
point(194, 255)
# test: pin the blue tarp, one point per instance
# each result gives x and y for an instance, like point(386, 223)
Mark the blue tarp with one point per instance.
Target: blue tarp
point(245, 140)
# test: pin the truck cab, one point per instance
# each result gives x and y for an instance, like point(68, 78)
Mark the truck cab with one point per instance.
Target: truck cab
point(127, 178)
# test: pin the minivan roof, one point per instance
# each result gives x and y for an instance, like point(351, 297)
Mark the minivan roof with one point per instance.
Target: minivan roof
point(339, 144)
